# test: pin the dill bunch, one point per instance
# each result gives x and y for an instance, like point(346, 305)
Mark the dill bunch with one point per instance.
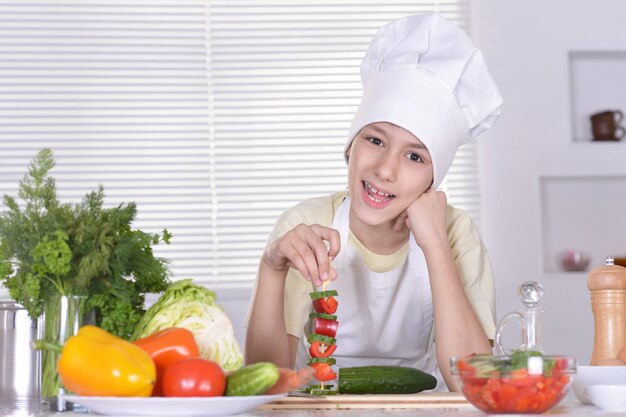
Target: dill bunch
point(83, 248)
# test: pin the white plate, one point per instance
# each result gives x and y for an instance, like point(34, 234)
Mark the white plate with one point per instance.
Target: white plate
point(608, 397)
point(171, 406)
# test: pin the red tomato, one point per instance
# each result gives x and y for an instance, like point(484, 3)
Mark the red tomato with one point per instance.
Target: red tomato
point(464, 367)
point(522, 393)
point(194, 377)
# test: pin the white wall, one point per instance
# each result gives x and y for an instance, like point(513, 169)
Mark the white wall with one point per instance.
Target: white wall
point(527, 45)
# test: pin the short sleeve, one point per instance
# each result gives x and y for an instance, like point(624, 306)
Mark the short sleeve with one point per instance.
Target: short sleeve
point(474, 266)
point(297, 302)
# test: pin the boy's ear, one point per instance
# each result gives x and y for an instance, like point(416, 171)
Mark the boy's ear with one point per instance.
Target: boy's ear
point(348, 151)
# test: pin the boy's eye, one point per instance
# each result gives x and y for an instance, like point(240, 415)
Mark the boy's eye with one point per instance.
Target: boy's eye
point(375, 141)
point(415, 157)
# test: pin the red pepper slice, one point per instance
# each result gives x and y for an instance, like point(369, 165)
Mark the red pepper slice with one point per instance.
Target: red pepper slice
point(167, 347)
point(326, 305)
point(323, 372)
point(316, 352)
point(326, 327)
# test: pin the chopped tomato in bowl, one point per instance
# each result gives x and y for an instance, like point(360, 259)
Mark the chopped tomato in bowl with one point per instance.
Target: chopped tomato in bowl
point(523, 382)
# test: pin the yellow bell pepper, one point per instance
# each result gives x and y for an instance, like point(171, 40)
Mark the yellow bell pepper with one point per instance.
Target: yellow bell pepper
point(96, 363)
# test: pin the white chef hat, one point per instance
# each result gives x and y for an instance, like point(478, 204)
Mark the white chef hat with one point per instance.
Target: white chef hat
point(424, 74)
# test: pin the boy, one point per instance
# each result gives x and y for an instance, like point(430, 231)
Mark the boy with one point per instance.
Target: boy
point(402, 259)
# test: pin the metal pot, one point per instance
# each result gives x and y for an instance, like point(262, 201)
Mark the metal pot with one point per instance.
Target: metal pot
point(20, 366)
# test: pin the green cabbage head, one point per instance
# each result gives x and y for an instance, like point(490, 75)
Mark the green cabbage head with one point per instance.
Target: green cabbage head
point(193, 307)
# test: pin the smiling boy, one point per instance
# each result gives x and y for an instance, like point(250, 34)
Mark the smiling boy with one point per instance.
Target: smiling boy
point(402, 259)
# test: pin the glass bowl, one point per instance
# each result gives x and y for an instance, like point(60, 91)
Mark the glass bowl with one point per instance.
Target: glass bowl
point(523, 382)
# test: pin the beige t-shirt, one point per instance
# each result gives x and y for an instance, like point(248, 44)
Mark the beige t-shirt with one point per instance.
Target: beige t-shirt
point(469, 253)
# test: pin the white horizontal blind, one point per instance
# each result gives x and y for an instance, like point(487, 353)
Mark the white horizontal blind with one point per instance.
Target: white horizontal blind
point(119, 90)
point(462, 184)
point(213, 116)
point(285, 83)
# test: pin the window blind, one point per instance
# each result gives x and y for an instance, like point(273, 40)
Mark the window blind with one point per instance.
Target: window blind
point(213, 116)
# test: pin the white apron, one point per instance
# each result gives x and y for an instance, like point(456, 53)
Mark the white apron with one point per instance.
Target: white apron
point(384, 318)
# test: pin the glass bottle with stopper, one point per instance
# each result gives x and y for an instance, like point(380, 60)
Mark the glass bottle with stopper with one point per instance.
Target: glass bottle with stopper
point(530, 292)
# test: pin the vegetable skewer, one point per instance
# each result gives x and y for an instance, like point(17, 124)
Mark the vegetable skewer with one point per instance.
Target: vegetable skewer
point(322, 340)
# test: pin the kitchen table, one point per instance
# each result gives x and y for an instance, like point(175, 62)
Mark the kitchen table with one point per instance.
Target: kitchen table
point(567, 408)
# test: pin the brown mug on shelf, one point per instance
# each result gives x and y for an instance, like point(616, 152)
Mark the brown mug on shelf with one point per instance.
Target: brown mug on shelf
point(605, 125)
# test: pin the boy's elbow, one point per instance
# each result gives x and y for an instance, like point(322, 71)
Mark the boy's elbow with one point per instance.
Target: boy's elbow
point(268, 350)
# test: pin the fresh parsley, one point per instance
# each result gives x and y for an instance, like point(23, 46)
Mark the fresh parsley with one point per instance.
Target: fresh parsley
point(47, 248)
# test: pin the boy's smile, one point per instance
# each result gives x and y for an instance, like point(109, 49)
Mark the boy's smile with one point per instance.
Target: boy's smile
point(388, 169)
point(378, 198)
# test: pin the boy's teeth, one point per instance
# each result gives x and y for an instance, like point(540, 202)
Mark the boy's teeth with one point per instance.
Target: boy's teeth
point(374, 199)
point(375, 191)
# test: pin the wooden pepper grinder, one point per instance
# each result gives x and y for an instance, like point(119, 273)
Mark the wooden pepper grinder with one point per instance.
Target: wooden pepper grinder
point(607, 285)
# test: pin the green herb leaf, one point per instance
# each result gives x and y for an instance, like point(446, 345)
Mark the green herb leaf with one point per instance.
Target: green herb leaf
point(519, 358)
point(77, 249)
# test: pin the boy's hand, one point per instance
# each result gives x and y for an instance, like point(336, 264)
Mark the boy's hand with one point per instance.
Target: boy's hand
point(304, 248)
point(426, 217)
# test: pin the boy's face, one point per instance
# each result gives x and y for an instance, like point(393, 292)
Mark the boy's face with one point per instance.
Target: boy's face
point(388, 168)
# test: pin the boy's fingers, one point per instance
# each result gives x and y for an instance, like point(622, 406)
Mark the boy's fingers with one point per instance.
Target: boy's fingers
point(296, 259)
point(308, 258)
point(309, 253)
point(334, 243)
point(321, 256)
point(333, 274)
point(331, 236)
point(324, 253)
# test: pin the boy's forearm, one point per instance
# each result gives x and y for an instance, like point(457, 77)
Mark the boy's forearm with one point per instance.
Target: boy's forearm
point(266, 336)
point(457, 330)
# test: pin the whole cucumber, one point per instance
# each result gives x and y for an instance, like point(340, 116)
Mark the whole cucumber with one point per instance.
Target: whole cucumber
point(252, 379)
point(384, 380)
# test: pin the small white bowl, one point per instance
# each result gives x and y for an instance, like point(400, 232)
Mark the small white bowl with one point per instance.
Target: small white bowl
point(586, 376)
point(608, 397)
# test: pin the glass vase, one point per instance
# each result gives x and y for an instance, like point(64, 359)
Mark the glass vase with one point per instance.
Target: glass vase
point(62, 317)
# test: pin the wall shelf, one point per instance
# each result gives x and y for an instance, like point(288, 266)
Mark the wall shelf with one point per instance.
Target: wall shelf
point(598, 83)
point(582, 213)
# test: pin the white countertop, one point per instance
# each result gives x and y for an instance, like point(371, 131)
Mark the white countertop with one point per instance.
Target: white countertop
point(567, 408)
